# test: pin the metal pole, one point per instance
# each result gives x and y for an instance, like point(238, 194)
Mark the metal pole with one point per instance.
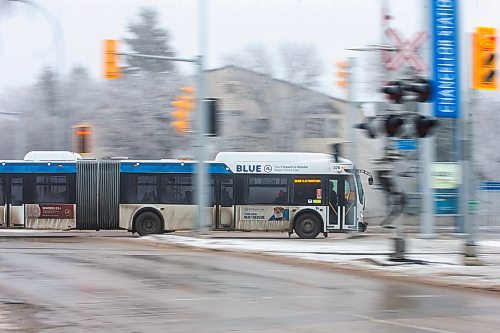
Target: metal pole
point(350, 107)
point(470, 251)
point(201, 173)
point(426, 145)
point(59, 135)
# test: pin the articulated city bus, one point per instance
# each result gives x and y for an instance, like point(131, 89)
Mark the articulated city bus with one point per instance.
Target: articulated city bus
point(305, 193)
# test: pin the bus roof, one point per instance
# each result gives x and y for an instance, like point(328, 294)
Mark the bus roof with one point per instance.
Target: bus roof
point(51, 156)
point(283, 162)
point(277, 157)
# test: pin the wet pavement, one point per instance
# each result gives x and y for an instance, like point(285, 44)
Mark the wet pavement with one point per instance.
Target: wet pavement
point(105, 282)
point(439, 261)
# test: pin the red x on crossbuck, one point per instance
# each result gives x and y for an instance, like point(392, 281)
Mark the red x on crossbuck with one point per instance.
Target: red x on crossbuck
point(405, 51)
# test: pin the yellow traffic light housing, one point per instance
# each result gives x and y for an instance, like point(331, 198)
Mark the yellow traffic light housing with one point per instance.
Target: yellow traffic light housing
point(111, 68)
point(82, 139)
point(183, 105)
point(484, 59)
point(343, 74)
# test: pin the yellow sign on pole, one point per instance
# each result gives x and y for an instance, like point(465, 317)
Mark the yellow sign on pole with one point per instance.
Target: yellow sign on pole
point(111, 68)
point(484, 59)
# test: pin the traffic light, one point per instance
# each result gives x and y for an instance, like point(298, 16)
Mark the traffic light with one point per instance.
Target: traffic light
point(484, 59)
point(421, 88)
point(371, 126)
point(394, 91)
point(183, 105)
point(393, 125)
point(211, 108)
point(111, 68)
point(343, 74)
point(424, 126)
point(82, 139)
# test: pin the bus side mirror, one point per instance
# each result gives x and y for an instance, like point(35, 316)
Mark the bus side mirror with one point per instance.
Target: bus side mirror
point(370, 181)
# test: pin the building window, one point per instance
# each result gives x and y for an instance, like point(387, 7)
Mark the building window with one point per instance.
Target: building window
point(261, 126)
point(322, 128)
point(231, 87)
point(314, 128)
point(332, 129)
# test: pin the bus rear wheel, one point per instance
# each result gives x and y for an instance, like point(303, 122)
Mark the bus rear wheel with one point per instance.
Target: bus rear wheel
point(307, 226)
point(148, 223)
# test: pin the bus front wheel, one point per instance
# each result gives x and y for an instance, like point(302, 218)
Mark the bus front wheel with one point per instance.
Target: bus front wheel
point(307, 226)
point(148, 223)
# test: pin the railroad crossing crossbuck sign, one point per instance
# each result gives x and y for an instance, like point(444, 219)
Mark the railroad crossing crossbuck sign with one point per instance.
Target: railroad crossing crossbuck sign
point(406, 51)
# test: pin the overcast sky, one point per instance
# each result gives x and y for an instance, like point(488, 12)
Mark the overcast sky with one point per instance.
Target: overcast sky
point(332, 26)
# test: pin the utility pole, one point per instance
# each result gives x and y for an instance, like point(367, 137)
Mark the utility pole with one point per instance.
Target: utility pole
point(426, 145)
point(201, 114)
point(60, 135)
point(201, 174)
point(351, 61)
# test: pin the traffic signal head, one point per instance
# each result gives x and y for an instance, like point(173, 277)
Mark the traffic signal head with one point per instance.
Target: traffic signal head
point(111, 68)
point(82, 139)
point(211, 109)
point(183, 105)
point(484, 59)
point(343, 74)
point(424, 126)
point(394, 91)
point(421, 88)
point(371, 127)
point(393, 125)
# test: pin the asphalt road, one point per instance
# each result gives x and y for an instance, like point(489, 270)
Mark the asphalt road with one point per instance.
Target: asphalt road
point(101, 284)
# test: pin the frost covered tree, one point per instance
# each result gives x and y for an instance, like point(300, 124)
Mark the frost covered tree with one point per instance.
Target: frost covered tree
point(300, 64)
point(147, 37)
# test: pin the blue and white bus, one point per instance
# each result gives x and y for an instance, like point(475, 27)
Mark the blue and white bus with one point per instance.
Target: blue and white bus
point(305, 193)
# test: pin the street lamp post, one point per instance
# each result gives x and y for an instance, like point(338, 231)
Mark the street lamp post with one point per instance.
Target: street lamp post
point(61, 134)
point(201, 121)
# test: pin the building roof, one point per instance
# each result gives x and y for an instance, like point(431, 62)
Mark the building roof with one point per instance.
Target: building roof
point(296, 86)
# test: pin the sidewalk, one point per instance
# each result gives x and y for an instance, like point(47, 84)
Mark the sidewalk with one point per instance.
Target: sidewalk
point(438, 261)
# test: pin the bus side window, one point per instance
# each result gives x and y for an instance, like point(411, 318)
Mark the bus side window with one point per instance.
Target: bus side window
point(226, 192)
point(2, 193)
point(16, 188)
point(240, 188)
point(146, 189)
point(51, 189)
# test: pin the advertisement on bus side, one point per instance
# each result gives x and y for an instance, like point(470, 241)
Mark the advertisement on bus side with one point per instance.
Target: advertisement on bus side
point(265, 213)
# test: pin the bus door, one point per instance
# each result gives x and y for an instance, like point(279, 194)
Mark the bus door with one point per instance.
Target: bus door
point(224, 203)
point(14, 198)
point(341, 203)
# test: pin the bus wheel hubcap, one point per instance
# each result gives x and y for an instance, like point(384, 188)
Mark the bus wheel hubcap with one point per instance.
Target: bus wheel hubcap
point(308, 226)
point(148, 224)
